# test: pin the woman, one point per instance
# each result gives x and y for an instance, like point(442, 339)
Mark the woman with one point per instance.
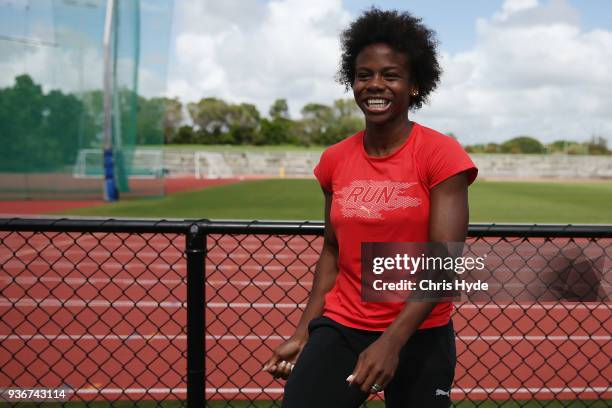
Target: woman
point(344, 349)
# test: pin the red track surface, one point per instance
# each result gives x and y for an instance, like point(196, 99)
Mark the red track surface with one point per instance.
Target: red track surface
point(106, 311)
point(36, 207)
point(32, 207)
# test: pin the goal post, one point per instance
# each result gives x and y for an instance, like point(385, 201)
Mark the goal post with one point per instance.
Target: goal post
point(146, 164)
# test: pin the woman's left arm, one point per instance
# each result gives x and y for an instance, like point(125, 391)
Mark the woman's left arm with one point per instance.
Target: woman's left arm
point(448, 222)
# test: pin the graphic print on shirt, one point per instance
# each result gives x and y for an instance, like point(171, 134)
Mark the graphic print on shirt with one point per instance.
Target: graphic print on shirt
point(368, 198)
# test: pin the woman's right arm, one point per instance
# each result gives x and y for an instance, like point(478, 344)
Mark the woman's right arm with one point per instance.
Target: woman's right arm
point(324, 278)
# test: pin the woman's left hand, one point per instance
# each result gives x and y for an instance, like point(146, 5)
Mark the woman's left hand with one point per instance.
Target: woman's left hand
point(376, 365)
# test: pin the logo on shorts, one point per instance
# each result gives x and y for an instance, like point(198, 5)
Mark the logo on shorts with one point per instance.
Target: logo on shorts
point(440, 392)
point(368, 198)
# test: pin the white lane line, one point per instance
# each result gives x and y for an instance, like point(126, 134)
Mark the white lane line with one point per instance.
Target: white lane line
point(257, 256)
point(214, 255)
point(96, 337)
point(531, 390)
point(98, 266)
point(234, 337)
point(259, 283)
point(149, 256)
point(24, 280)
point(273, 390)
point(31, 280)
point(277, 390)
point(47, 244)
point(570, 306)
point(521, 390)
point(534, 338)
point(39, 242)
point(29, 302)
point(36, 302)
point(48, 302)
point(537, 306)
point(105, 391)
point(181, 266)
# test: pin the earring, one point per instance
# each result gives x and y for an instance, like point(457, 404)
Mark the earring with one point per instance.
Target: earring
point(415, 93)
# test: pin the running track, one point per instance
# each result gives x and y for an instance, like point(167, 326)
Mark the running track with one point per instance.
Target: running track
point(105, 313)
point(170, 186)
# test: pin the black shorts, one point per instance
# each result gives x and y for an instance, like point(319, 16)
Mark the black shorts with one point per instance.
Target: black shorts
point(423, 377)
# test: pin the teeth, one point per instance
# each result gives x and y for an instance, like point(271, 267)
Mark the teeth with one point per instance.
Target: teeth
point(377, 102)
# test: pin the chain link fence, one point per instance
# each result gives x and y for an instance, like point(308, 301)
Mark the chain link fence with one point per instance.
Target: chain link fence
point(117, 312)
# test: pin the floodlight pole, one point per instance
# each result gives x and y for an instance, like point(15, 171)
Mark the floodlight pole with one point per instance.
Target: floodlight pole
point(110, 184)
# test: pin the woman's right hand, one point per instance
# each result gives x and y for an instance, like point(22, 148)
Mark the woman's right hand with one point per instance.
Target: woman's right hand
point(282, 361)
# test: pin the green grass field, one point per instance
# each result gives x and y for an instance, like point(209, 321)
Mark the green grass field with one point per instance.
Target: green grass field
point(299, 199)
point(237, 148)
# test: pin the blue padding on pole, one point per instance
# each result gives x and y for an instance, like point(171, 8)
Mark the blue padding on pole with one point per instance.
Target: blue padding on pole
point(110, 186)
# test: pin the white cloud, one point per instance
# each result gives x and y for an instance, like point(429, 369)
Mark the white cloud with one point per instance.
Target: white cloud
point(532, 71)
point(258, 53)
point(72, 64)
point(54, 67)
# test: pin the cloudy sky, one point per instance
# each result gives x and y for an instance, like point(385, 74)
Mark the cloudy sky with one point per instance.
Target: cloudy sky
point(510, 67)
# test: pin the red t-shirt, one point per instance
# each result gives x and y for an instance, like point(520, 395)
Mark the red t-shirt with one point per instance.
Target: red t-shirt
point(383, 199)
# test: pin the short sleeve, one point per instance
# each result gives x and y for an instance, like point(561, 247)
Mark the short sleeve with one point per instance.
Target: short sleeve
point(323, 171)
point(447, 158)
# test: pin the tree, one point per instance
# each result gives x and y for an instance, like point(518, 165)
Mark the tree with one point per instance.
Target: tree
point(279, 128)
point(21, 108)
point(277, 131)
point(342, 128)
point(173, 117)
point(317, 120)
point(522, 144)
point(347, 121)
point(279, 109)
point(38, 131)
point(211, 117)
point(185, 135)
point(346, 108)
point(597, 145)
point(325, 125)
point(492, 148)
point(560, 146)
point(217, 121)
point(243, 122)
point(150, 121)
point(61, 126)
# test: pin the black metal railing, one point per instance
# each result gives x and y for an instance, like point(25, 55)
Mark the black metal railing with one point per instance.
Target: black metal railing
point(150, 311)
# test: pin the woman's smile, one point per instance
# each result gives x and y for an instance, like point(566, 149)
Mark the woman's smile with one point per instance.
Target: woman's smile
point(377, 105)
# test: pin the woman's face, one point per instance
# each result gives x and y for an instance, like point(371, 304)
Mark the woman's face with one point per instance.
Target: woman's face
point(382, 85)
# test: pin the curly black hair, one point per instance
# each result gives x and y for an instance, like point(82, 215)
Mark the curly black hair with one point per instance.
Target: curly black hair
point(402, 32)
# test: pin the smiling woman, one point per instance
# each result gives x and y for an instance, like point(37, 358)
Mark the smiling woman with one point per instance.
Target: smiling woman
point(395, 181)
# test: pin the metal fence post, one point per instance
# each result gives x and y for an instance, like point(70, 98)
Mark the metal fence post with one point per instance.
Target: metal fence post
point(195, 251)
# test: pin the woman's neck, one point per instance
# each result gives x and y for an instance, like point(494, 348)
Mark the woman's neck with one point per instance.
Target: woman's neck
point(383, 139)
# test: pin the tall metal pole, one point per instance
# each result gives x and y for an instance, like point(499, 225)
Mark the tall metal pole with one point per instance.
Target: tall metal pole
point(195, 252)
point(110, 185)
